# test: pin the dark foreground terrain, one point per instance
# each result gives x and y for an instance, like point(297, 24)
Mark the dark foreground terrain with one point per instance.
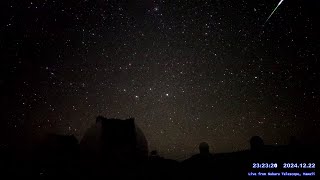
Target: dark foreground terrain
point(113, 148)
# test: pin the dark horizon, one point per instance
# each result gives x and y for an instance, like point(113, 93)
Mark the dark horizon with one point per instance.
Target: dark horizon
point(26, 144)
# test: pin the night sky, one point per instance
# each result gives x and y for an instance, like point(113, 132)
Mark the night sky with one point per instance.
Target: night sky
point(187, 71)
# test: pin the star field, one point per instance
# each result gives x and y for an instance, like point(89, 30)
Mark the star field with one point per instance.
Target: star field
point(186, 71)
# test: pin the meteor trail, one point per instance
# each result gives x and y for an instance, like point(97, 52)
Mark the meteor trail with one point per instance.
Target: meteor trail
point(274, 11)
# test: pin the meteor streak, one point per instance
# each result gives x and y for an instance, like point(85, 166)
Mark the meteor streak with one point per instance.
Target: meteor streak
point(274, 11)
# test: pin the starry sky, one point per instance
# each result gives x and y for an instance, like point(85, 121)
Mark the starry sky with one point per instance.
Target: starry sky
point(187, 71)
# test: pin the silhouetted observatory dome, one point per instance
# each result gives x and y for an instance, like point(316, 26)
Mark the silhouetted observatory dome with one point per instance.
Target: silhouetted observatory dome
point(114, 140)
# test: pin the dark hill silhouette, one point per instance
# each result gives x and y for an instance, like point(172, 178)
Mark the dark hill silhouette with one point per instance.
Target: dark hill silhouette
point(56, 155)
point(118, 148)
point(158, 167)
